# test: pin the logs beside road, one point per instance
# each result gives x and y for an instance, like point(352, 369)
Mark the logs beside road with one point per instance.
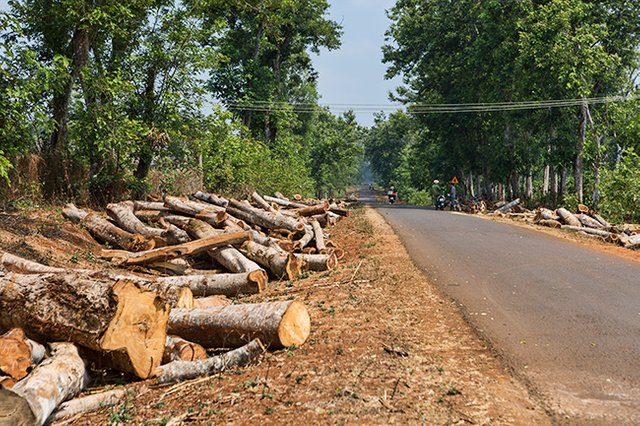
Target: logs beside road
point(149, 325)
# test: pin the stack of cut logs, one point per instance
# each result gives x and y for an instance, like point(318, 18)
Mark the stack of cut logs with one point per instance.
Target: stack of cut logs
point(159, 324)
point(585, 221)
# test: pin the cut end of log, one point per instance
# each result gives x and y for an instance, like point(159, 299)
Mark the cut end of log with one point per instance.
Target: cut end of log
point(260, 278)
point(139, 327)
point(15, 354)
point(295, 327)
point(294, 267)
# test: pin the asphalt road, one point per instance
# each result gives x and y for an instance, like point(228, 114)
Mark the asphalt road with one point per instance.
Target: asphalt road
point(565, 317)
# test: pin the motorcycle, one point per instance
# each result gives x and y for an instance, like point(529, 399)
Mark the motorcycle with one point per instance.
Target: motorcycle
point(393, 197)
point(441, 202)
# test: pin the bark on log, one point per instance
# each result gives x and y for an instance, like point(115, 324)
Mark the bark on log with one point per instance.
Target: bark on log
point(318, 234)
point(568, 218)
point(280, 195)
point(121, 319)
point(221, 284)
point(276, 324)
point(190, 207)
point(59, 377)
point(262, 218)
point(106, 231)
point(184, 370)
point(601, 220)
point(152, 215)
point(504, 209)
point(178, 349)
point(550, 223)
point(122, 214)
point(589, 222)
point(18, 354)
point(15, 263)
point(283, 202)
point(173, 234)
point(306, 237)
point(262, 203)
point(211, 301)
point(546, 214)
point(186, 249)
point(333, 208)
point(281, 266)
point(319, 262)
point(211, 199)
point(88, 403)
point(314, 210)
point(14, 409)
point(150, 205)
point(598, 232)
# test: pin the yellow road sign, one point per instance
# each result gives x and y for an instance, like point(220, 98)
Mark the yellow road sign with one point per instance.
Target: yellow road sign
point(454, 180)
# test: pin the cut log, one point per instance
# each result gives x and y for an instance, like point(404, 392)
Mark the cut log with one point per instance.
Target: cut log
point(546, 214)
point(5, 382)
point(333, 208)
point(262, 203)
point(318, 235)
point(59, 377)
point(280, 195)
point(568, 218)
point(550, 223)
point(319, 262)
point(121, 319)
point(174, 294)
point(186, 249)
point(280, 265)
point(15, 263)
point(276, 324)
point(211, 199)
point(314, 210)
point(306, 237)
point(184, 370)
point(122, 214)
point(178, 349)
point(18, 354)
point(601, 220)
point(173, 234)
point(152, 215)
point(259, 217)
point(88, 403)
point(107, 232)
point(150, 205)
point(211, 301)
point(504, 209)
point(230, 285)
point(583, 209)
point(589, 222)
point(598, 232)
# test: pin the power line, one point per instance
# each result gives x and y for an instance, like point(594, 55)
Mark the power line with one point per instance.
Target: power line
point(424, 108)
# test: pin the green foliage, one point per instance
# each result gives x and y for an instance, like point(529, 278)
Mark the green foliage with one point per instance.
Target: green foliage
point(5, 166)
point(620, 201)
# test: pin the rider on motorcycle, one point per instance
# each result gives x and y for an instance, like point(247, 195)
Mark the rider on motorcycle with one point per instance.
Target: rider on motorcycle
point(392, 194)
point(436, 191)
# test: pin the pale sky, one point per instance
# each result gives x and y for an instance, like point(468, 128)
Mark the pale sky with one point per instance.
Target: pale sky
point(354, 74)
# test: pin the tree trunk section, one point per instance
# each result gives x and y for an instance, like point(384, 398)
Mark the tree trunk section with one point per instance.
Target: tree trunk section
point(319, 262)
point(181, 250)
point(106, 231)
point(230, 285)
point(18, 354)
point(211, 199)
point(88, 403)
point(178, 349)
point(185, 370)
point(262, 218)
point(122, 214)
point(59, 377)
point(568, 218)
point(281, 266)
point(318, 235)
point(276, 324)
point(120, 319)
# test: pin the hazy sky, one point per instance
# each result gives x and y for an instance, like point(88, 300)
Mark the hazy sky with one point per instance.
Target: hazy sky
point(354, 74)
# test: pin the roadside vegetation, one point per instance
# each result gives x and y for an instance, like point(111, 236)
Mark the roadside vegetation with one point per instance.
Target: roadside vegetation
point(506, 52)
point(102, 100)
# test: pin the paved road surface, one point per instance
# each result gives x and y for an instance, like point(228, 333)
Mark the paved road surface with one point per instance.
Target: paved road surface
point(566, 316)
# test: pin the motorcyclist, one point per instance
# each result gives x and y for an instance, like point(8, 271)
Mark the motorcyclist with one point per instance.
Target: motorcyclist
point(436, 191)
point(392, 194)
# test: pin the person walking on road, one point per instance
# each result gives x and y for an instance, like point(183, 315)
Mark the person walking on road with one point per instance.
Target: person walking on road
point(436, 191)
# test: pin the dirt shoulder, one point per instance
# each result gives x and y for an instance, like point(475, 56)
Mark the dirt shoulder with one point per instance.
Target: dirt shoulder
point(435, 369)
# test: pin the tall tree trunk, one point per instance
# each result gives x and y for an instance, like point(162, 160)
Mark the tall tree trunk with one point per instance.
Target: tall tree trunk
point(529, 186)
point(545, 180)
point(145, 157)
point(578, 167)
point(563, 185)
point(57, 178)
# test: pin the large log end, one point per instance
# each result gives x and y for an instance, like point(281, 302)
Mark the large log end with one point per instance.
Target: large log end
point(15, 354)
point(295, 327)
point(14, 410)
point(139, 328)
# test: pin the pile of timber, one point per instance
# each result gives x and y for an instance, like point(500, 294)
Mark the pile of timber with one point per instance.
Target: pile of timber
point(584, 221)
point(164, 304)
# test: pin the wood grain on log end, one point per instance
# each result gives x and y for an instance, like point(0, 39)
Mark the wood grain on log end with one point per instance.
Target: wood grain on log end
point(139, 326)
point(260, 278)
point(15, 354)
point(295, 327)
